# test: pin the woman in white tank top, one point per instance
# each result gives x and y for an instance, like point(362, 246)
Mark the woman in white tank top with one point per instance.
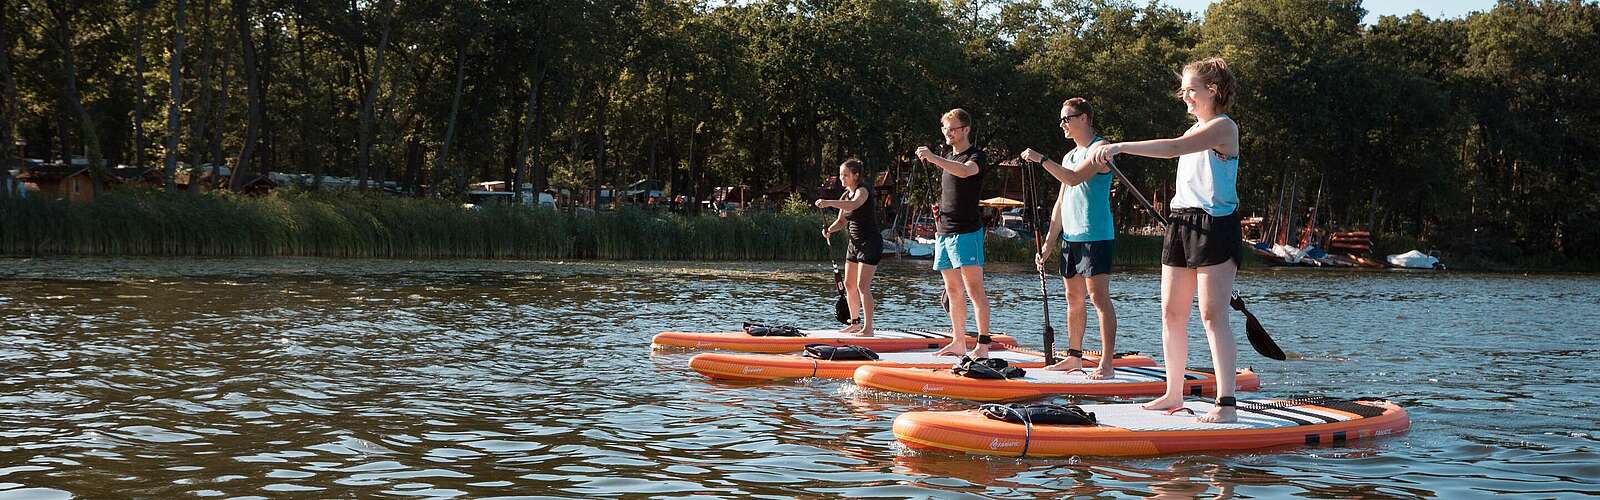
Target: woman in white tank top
point(1201, 248)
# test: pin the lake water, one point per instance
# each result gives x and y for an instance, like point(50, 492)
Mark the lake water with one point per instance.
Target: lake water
point(321, 378)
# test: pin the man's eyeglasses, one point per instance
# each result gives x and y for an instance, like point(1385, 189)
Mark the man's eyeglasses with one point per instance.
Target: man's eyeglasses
point(1064, 119)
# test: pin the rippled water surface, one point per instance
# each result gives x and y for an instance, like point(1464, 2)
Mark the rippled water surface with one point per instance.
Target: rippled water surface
point(320, 378)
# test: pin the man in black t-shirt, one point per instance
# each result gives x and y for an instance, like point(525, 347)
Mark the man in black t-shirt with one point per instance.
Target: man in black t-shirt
point(958, 244)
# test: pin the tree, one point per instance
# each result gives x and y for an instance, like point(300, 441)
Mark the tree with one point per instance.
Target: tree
point(175, 76)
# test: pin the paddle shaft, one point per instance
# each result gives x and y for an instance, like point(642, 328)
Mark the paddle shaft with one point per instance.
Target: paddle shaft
point(1028, 187)
point(1258, 336)
point(1136, 194)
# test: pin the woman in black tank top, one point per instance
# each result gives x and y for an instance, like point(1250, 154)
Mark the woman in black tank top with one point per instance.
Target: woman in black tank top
point(859, 212)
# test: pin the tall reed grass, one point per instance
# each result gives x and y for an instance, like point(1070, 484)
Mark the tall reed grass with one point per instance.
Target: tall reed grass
point(346, 224)
point(366, 225)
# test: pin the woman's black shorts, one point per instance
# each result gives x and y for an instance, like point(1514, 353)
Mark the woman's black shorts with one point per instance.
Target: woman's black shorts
point(1195, 239)
point(868, 252)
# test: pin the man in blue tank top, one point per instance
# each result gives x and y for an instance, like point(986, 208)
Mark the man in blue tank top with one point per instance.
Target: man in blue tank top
point(958, 244)
point(1082, 220)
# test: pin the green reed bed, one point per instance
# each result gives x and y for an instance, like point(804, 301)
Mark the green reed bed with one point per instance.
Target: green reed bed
point(364, 225)
point(343, 224)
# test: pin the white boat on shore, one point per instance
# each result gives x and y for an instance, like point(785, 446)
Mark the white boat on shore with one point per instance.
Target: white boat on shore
point(1414, 260)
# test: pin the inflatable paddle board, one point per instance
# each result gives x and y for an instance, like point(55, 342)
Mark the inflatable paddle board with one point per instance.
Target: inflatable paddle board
point(1133, 380)
point(880, 341)
point(761, 367)
point(1127, 430)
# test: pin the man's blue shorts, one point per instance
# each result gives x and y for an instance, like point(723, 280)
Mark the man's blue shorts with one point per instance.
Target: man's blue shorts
point(953, 251)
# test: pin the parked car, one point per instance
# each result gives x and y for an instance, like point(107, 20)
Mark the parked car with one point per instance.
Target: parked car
point(642, 190)
point(476, 200)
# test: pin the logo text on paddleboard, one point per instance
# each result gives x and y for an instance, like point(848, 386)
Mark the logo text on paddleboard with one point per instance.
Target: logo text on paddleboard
point(999, 443)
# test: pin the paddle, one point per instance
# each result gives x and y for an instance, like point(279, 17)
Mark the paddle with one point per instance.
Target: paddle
point(1259, 339)
point(1136, 194)
point(944, 295)
point(841, 306)
point(1028, 186)
point(1252, 330)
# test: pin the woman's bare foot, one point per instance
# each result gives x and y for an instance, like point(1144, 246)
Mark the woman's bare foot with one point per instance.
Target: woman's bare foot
point(1164, 403)
point(864, 331)
point(1067, 364)
point(1220, 415)
point(952, 349)
point(851, 328)
point(1104, 372)
point(980, 352)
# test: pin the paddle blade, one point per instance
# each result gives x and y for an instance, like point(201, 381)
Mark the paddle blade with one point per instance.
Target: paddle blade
point(1049, 345)
point(1256, 333)
point(841, 310)
point(841, 306)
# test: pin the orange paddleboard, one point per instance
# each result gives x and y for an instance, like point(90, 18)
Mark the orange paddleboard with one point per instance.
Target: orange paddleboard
point(761, 367)
point(1128, 381)
point(1127, 430)
point(880, 341)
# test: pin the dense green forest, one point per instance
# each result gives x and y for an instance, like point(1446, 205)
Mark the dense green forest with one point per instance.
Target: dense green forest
point(1478, 136)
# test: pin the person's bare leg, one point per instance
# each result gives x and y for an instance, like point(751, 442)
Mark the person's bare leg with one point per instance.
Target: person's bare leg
point(852, 298)
point(1216, 287)
point(958, 314)
point(1076, 323)
point(1100, 295)
point(1177, 294)
point(863, 283)
point(972, 278)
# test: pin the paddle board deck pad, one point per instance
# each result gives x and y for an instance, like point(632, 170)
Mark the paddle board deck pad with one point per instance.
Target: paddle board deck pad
point(881, 340)
point(1134, 380)
point(762, 367)
point(1128, 430)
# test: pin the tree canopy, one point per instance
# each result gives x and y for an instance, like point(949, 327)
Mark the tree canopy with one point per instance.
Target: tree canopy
point(1479, 133)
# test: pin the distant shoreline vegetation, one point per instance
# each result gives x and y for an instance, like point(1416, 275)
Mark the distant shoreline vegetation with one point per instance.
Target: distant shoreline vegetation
point(352, 224)
point(139, 222)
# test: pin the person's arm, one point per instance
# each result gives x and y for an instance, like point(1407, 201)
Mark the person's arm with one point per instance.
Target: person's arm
point(858, 197)
point(1074, 175)
point(838, 223)
point(1212, 134)
point(956, 168)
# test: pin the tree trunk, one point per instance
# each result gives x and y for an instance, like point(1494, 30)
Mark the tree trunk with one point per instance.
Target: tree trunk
point(364, 151)
point(219, 107)
point(247, 46)
point(540, 176)
point(175, 74)
point(455, 106)
point(530, 121)
point(266, 158)
point(73, 100)
point(198, 144)
point(139, 14)
point(413, 160)
point(309, 148)
point(600, 144)
point(694, 169)
point(8, 91)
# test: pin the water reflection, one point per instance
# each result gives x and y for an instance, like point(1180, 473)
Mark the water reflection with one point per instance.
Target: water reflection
point(436, 378)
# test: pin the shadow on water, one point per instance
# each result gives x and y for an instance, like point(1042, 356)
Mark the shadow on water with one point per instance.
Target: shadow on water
point(217, 377)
